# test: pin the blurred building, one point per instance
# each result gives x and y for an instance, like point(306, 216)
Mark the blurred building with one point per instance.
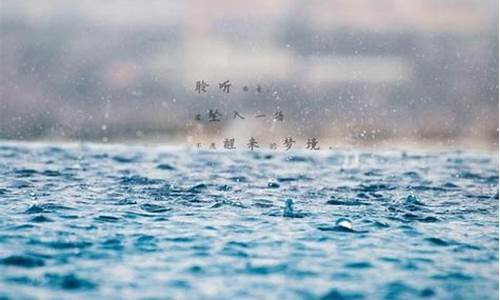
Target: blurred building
point(352, 72)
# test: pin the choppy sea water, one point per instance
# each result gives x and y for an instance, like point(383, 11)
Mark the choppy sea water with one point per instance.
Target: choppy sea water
point(89, 221)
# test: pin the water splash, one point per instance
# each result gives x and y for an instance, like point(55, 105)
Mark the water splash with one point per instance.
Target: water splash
point(288, 210)
point(343, 223)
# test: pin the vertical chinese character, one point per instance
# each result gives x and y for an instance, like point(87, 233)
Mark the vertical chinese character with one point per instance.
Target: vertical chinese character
point(252, 143)
point(198, 146)
point(288, 143)
point(273, 146)
point(278, 116)
point(213, 115)
point(312, 144)
point(212, 146)
point(201, 86)
point(224, 86)
point(197, 117)
point(229, 144)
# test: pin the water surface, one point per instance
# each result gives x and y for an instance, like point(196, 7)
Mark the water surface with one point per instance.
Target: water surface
point(89, 221)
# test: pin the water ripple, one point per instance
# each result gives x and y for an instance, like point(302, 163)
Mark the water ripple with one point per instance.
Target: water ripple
point(102, 222)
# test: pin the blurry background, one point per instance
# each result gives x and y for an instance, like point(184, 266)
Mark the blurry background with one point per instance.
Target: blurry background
point(350, 72)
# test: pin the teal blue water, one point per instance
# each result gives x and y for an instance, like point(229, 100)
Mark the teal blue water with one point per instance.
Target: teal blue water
point(131, 222)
